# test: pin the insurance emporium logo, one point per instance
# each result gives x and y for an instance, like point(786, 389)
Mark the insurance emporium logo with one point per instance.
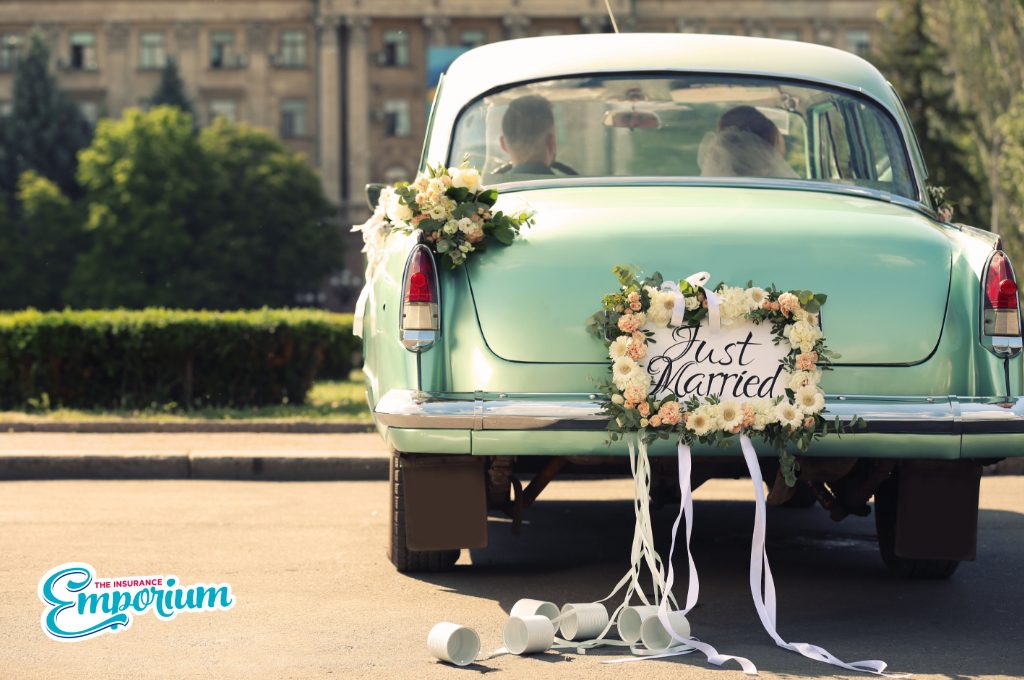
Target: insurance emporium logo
point(79, 606)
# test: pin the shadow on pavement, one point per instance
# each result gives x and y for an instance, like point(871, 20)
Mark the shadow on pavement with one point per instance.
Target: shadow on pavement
point(832, 587)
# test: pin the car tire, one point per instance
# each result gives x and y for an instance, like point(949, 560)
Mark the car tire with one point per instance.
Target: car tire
point(886, 505)
point(406, 560)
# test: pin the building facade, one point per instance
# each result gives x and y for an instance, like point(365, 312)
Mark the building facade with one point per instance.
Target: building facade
point(348, 82)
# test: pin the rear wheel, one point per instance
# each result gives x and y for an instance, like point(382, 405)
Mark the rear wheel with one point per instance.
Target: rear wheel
point(886, 511)
point(398, 552)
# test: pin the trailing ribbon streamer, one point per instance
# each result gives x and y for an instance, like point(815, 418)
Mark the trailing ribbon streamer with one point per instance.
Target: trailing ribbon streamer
point(764, 601)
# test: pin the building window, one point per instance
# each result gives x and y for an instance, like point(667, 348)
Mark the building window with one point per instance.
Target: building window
point(83, 51)
point(151, 50)
point(787, 34)
point(396, 48)
point(90, 110)
point(10, 48)
point(293, 118)
point(224, 108)
point(859, 42)
point(472, 38)
point(397, 122)
point(293, 49)
point(222, 51)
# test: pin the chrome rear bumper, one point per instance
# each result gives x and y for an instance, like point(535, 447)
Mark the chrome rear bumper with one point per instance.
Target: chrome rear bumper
point(481, 411)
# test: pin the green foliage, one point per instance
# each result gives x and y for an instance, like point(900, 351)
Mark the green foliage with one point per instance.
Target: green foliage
point(229, 218)
point(38, 249)
point(46, 129)
point(171, 90)
point(133, 359)
point(917, 65)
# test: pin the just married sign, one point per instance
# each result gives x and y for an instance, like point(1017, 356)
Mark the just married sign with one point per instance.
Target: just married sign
point(740, 363)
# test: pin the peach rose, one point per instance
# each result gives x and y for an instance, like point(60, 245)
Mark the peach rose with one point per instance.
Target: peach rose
point(644, 408)
point(806, 361)
point(656, 421)
point(809, 422)
point(633, 297)
point(628, 323)
point(629, 405)
point(748, 415)
point(636, 350)
point(634, 394)
point(635, 306)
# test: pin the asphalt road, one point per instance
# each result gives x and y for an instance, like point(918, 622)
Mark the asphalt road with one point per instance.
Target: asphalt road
point(317, 598)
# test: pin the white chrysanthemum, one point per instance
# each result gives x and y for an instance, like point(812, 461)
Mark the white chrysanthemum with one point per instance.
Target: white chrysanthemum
point(700, 422)
point(801, 379)
point(810, 400)
point(757, 296)
point(626, 372)
point(617, 349)
point(662, 304)
point(730, 415)
point(788, 415)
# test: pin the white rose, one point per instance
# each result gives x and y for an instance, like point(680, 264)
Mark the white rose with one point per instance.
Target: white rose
point(734, 305)
point(803, 335)
point(801, 379)
point(617, 399)
point(466, 178)
point(692, 302)
point(639, 378)
point(617, 349)
point(450, 227)
point(466, 224)
point(396, 210)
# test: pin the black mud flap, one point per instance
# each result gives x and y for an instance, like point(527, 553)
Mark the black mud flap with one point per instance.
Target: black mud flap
point(937, 516)
point(445, 502)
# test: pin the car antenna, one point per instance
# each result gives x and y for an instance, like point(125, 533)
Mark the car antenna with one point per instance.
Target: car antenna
point(611, 15)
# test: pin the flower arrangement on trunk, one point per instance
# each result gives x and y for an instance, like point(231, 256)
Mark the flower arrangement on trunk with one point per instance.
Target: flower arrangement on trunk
point(626, 321)
point(449, 209)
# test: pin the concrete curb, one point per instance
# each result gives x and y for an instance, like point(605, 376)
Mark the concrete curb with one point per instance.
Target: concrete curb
point(195, 466)
point(137, 427)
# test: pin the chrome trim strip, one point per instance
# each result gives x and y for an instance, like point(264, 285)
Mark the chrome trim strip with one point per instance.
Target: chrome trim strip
point(575, 411)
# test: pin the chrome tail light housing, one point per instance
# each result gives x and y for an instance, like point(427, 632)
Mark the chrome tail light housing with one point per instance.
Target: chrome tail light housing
point(420, 315)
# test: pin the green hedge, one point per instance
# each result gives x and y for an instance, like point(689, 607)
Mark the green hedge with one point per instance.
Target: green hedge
point(137, 359)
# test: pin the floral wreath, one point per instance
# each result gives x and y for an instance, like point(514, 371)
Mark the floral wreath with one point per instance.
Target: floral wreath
point(446, 208)
point(624, 323)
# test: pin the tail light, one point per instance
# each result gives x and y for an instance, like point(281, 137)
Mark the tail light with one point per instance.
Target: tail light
point(420, 323)
point(1000, 309)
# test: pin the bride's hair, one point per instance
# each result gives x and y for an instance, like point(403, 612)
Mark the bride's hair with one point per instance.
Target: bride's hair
point(750, 119)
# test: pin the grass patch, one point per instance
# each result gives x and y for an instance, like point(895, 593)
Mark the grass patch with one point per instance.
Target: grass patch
point(335, 401)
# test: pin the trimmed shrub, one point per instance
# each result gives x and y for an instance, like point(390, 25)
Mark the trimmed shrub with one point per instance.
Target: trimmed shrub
point(137, 359)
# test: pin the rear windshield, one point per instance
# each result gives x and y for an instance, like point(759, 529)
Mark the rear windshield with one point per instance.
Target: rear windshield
point(682, 126)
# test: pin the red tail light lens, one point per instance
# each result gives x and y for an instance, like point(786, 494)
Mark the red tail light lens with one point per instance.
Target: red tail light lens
point(420, 323)
point(1001, 315)
point(419, 277)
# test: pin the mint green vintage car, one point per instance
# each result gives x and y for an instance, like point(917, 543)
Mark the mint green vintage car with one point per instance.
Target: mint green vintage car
point(640, 149)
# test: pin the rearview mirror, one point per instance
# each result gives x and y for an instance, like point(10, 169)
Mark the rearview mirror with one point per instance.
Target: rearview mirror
point(373, 194)
point(633, 120)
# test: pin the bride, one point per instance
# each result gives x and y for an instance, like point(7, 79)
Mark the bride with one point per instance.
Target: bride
point(746, 144)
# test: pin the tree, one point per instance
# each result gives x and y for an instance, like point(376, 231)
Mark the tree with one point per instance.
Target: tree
point(225, 219)
point(916, 65)
point(38, 250)
point(46, 129)
point(171, 90)
point(268, 238)
point(142, 177)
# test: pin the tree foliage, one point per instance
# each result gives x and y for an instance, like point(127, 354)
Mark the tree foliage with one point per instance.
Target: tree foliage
point(227, 218)
point(916, 64)
point(46, 129)
point(171, 90)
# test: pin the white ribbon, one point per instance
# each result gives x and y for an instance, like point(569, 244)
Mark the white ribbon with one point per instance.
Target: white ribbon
point(764, 601)
point(679, 307)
